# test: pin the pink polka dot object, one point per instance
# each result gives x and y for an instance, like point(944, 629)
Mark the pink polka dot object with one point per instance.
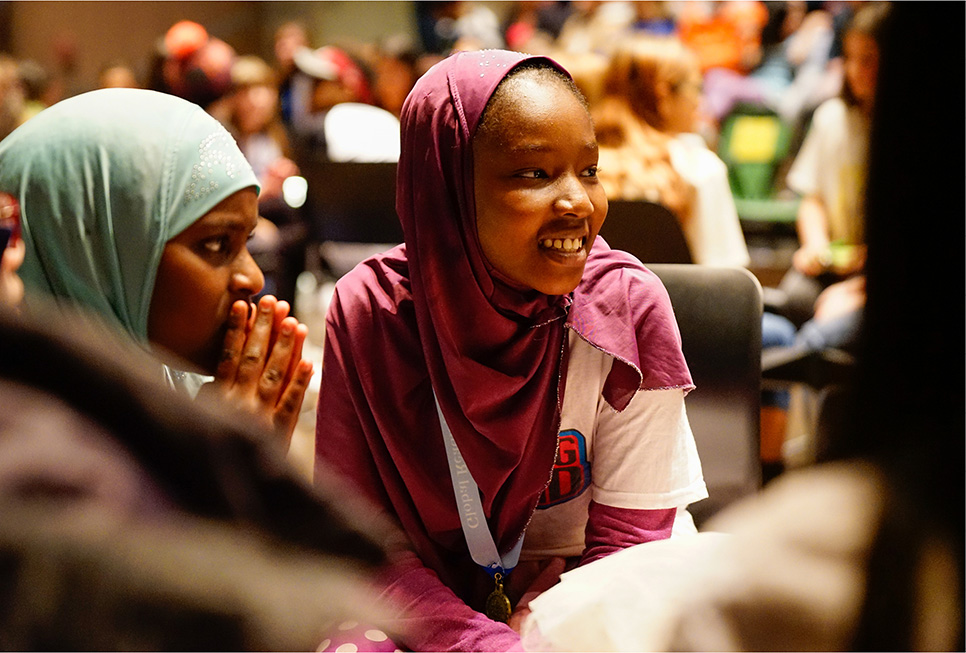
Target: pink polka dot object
point(351, 637)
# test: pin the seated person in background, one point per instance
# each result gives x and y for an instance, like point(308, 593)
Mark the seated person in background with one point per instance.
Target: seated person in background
point(503, 356)
point(136, 519)
point(829, 172)
point(252, 118)
point(333, 114)
point(645, 122)
point(250, 112)
point(289, 38)
point(11, 251)
point(395, 71)
point(137, 206)
point(117, 74)
point(34, 82)
point(194, 65)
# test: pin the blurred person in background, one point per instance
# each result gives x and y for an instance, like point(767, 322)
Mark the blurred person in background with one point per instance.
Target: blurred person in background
point(592, 26)
point(452, 25)
point(723, 34)
point(117, 73)
point(251, 114)
point(34, 81)
point(646, 124)
point(396, 67)
point(12, 251)
point(195, 65)
point(11, 96)
point(338, 119)
point(289, 38)
point(825, 288)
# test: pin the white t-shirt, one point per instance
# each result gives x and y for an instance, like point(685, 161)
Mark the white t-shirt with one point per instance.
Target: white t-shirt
point(643, 457)
point(714, 233)
point(832, 165)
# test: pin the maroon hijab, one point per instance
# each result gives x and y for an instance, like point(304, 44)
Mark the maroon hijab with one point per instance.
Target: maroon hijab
point(432, 314)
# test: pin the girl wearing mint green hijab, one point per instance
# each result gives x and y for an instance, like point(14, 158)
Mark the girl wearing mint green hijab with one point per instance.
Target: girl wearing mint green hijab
point(138, 205)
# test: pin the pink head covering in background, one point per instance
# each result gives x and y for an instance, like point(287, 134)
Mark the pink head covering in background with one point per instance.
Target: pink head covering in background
point(432, 314)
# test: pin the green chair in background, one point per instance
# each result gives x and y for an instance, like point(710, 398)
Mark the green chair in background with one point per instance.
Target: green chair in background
point(755, 143)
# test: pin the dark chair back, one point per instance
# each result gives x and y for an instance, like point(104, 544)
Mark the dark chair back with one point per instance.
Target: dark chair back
point(648, 230)
point(718, 311)
point(351, 202)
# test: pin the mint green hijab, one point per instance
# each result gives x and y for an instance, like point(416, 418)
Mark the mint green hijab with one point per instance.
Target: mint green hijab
point(105, 179)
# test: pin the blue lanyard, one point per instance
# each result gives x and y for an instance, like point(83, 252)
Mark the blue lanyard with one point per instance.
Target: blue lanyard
point(479, 540)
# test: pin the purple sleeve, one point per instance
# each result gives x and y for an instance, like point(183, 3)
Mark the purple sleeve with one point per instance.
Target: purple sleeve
point(434, 618)
point(611, 529)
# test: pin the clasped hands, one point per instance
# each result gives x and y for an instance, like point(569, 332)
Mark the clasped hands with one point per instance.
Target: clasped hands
point(261, 368)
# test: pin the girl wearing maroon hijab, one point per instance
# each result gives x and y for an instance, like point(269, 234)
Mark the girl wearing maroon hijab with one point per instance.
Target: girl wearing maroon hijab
point(503, 384)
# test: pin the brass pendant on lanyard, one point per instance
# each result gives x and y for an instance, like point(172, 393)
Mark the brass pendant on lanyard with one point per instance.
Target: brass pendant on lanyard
point(497, 604)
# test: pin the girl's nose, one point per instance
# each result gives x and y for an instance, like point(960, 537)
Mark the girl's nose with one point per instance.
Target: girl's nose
point(573, 199)
point(247, 278)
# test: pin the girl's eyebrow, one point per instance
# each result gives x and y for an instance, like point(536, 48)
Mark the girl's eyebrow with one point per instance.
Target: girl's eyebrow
point(228, 221)
point(589, 146)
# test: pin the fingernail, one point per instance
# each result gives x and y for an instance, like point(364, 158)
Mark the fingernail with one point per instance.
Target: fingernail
point(286, 328)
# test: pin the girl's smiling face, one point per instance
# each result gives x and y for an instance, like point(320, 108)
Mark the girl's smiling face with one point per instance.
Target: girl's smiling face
point(539, 204)
point(203, 271)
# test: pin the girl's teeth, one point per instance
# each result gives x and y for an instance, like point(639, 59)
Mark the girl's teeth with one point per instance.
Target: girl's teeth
point(566, 244)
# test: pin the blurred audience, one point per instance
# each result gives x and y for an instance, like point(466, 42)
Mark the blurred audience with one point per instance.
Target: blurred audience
point(450, 25)
point(534, 25)
point(338, 118)
point(723, 34)
point(789, 76)
point(645, 125)
point(654, 17)
point(829, 172)
point(593, 24)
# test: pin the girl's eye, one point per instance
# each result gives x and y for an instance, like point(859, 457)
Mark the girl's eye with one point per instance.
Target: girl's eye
point(533, 174)
point(218, 245)
point(591, 171)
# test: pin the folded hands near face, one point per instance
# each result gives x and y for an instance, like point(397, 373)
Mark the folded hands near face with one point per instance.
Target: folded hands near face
point(261, 368)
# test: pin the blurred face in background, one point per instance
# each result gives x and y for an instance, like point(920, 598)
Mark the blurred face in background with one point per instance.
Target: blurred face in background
point(861, 66)
point(117, 77)
point(255, 107)
point(289, 38)
point(679, 106)
point(12, 250)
